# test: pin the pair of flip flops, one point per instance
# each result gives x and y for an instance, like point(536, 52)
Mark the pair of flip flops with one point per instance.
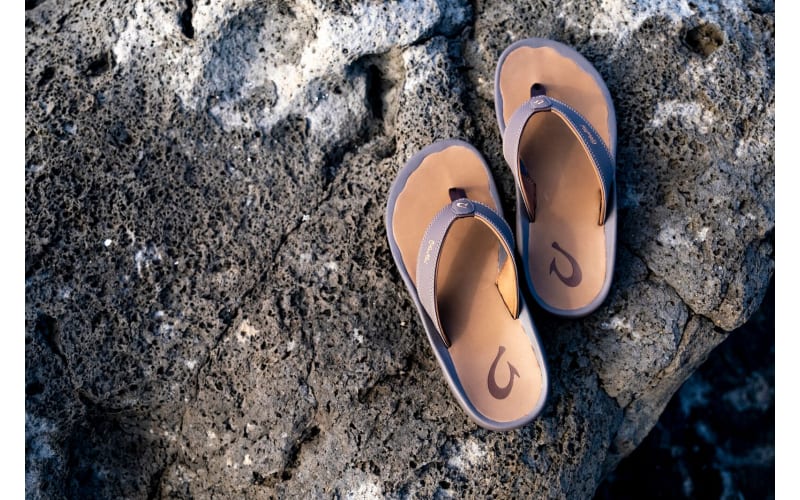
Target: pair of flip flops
point(456, 253)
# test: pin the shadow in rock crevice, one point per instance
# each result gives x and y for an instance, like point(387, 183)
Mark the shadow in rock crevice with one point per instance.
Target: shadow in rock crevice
point(716, 438)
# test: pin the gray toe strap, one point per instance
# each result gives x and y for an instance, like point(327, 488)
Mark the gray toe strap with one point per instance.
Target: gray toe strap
point(594, 145)
point(431, 248)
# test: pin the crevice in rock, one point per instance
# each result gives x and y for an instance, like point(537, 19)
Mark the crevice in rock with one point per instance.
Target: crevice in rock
point(704, 39)
point(96, 407)
point(381, 154)
point(312, 430)
point(32, 4)
point(692, 311)
point(263, 278)
point(617, 452)
point(154, 490)
point(47, 74)
point(37, 261)
point(384, 74)
point(46, 327)
point(333, 159)
point(100, 64)
point(34, 388)
point(308, 435)
point(365, 394)
point(185, 20)
point(119, 136)
point(97, 447)
point(232, 315)
point(376, 89)
point(652, 273)
point(451, 33)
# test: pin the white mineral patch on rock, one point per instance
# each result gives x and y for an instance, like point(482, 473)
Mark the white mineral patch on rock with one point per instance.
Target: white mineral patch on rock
point(367, 490)
point(691, 114)
point(145, 256)
point(470, 454)
point(245, 332)
point(277, 58)
point(620, 18)
point(672, 237)
point(617, 323)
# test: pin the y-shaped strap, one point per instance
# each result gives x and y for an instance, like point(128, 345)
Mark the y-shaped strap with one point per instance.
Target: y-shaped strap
point(594, 145)
point(431, 247)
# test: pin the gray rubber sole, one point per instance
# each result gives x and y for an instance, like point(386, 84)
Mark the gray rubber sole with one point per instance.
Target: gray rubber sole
point(439, 349)
point(523, 221)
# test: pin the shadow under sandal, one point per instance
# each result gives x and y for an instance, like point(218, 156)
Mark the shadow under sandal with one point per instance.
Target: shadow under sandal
point(559, 138)
point(454, 251)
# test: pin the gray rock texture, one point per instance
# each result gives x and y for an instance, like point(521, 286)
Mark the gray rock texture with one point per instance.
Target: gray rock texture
point(716, 437)
point(211, 306)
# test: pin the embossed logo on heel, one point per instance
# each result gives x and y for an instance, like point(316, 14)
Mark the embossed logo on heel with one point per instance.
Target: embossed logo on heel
point(574, 279)
point(495, 390)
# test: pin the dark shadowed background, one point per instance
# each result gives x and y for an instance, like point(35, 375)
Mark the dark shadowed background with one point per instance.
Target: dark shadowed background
point(716, 439)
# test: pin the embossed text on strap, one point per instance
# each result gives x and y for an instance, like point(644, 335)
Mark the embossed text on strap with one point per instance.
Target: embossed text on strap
point(431, 247)
point(591, 140)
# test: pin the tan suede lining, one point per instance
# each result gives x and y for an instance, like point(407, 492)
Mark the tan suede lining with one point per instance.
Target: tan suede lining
point(507, 284)
point(474, 315)
point(567, 188)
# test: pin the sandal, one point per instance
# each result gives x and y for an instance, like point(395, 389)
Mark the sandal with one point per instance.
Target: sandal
point(559, 138)
point(454, 251)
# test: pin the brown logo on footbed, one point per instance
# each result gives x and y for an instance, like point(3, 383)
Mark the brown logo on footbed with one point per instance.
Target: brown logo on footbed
point(495, 390)
point(573, 279)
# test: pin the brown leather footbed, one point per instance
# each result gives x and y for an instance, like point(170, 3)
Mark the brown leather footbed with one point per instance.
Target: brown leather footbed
point(472, 311)
point(567, 188)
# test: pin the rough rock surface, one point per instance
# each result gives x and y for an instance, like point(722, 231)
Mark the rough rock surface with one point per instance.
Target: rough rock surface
point(211, 306)
point(716, 438)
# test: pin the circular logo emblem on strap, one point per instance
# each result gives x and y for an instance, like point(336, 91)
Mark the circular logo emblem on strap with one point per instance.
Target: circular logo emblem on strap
point(462, 207)
point(540, 102)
